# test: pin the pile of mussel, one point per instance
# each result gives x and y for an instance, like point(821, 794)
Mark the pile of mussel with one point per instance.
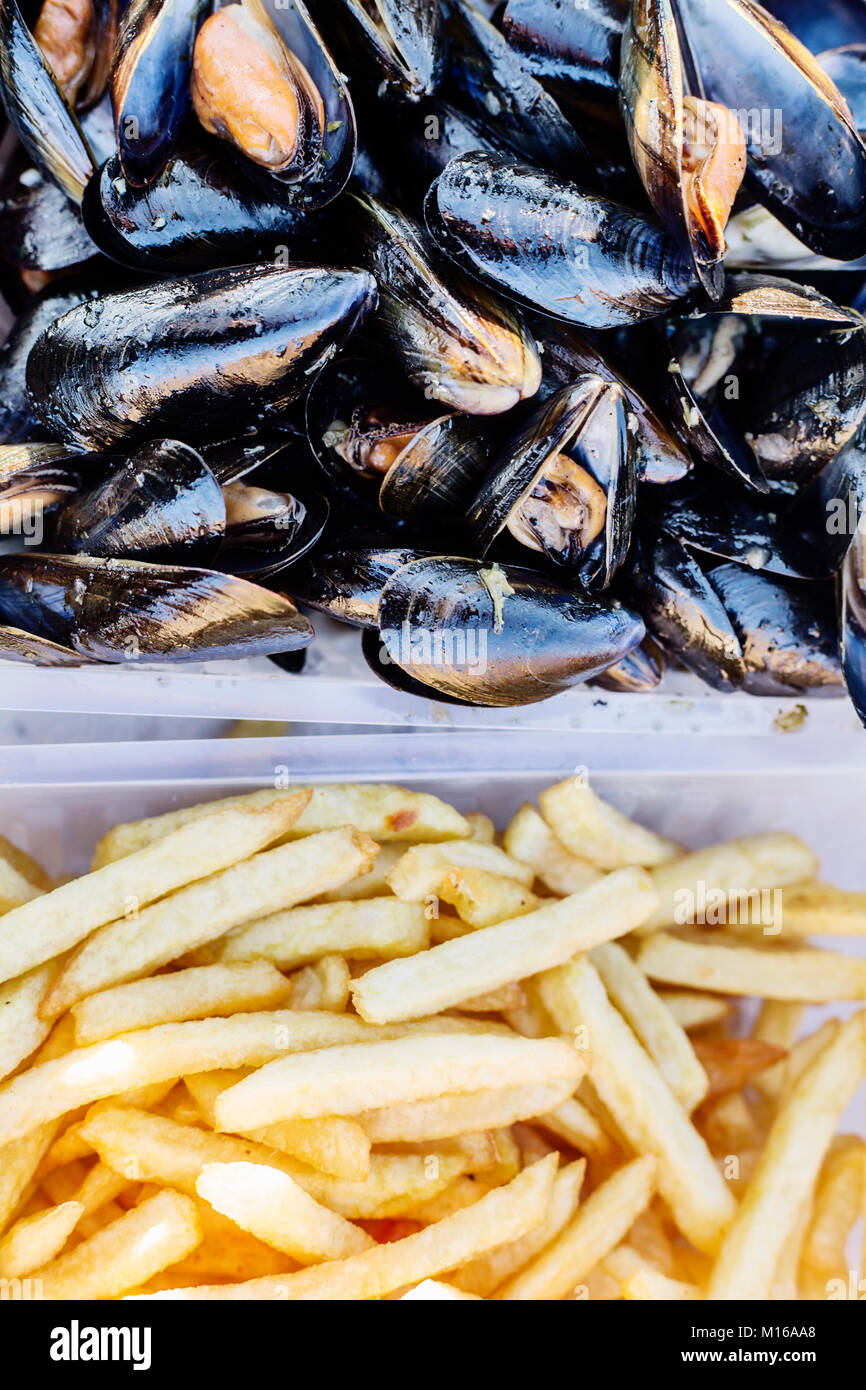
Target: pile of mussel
point(526, 337)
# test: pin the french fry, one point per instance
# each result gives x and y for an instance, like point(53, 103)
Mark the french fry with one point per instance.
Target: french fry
point(665, 1041)
point(21, 1028)
point(572, 1122)
point(595, 830)
point(21, 1159)
point(691, 1009)
point(738, 867)
point(496, 956)
point(432, 1290)
point(100, 1186)
point(778, 1023)
point(485, 1274)
point(128, 949)
point(15, 888)
point(333, 1144)
point(497, 1001)
point(530, 839)
point(500, 1216)
point(127, 1253)
point(599, 1225)
point(819, 909)
point(481, 828)
point(788, 1167)
point(377, 929)
point(324, 985)
point(272, 1207)
point(420, 872)
point(451, 1115)
point(382, 811)
point(642, 1104)
point(481, 898)
point(54, 922)
point(343, 1080)
point(25, 865)
point(650, 1285)
point(781, 1076)
point(737, 967)
point(187, 994)
point(373, 884)
point(731, 1063)
point(836, 1209)
point(36, 1240)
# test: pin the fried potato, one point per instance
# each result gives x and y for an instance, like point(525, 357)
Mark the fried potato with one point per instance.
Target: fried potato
point(731, 1063)
point(594, 830)
point(571, 1121)
point(15, 888)
point(374, 883)
point(837, 1206)
point(451, 1115)
point(481, 898)
point(819, 909)
point(650, 1285)
point(530, 839)
point(36, 1240)
point(738, 967)
point(324, 985)
point(25, 865)
point(21, 1027)
point(737, 867)
point(376, 929)
point(692, 1009)
point(420, 872)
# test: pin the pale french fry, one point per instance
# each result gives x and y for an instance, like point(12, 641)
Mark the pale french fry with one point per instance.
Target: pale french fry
point(36, 1240)
point(692, 1009)
point(788, 1167)
point(324, 985)
point(819, 909)
point(778, 1022)
point(15, 888)
point(419, 874)
point(530, 839)
point(344, 1080)
point(21, 1028)
point(664, 1039)
point(650, 1285)
point(785, 1287)
point(578, 1126)
point(481, 827)
point(503, 1215)
point(377, 929)
point(497, 1001)
point(778, 1079)
point(641, 1103)
point(54, 922)
point(732, 1063)
point(127, 1253)
point(738, 967)
point(599, 1225)
point(333, 1144)
point(451, 1115)
point(370, 885)
point(186, 994)
point(463, 1192)
point(271, 1206)
point(595, 830)
point(481, 898)
point(739, 867)
point(125, 950)
point(25, 865)
point(21, 1158)
point(456, 970)
point(101, 1185)
point(836, 1209)
point(432, 1290)
point(485, 1274)
point(382, 811)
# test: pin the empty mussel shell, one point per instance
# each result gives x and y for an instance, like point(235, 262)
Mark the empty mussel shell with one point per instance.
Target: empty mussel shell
point(346, 582)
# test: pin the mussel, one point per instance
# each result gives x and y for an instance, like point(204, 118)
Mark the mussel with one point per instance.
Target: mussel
point(34, 479)
point(77, 40)
point(545, 243)
point(399, 47)
point(822, 26)
point(17, 418)
point(40, 229)
point(574, 49)
point(346, 581)
point(118, 368)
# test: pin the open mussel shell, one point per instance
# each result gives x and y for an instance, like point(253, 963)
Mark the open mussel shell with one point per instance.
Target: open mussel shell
point(787, 631)
point(566, 485)
point(659, 458)
point(497, 636)
point(26, 647)
point(34, 479)
point(194, 356)
point(438, 472)
point(37, 108)
point(551, 246)
point(456, 343)
point(272, 521)
point(161, 504)
point(637, 674)
point(807, 163)
point(200, 210)
point(827, 25)
point(77, 42)
point(17, 418)
point(772, 297)
point(39, 228)
point(690, 156)
point(150, 82)
point(502, 91)
point(573, 50)
point(346, 581)
point(852, 626)
point(827, 513)
point(127, 610)
point(399, 46)
point(683, 611)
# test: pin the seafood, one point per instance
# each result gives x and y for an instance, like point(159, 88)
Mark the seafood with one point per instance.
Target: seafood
point(574, 50)
point(397, 46)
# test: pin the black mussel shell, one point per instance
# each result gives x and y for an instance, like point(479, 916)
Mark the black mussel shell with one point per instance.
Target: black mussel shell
point(232, 459)
point(194, 356)
point(416, 149)
point(498, 637)
point(17, 419)
point(150, 82)
point(787, 631)
point(34, 480)
point(772, 297)
point(26, 647)
point(345, 583)
point(807, 163)
point(200, 210)
point(824, 25)
point(376, 656)
point(547, 244)
point(272, 520)
point(852, 595)
point(37, 108)
point(438, 473)
point(683, 611)
point(573, 50)
point(828, 512)
point(161, 504)
point(847, 68)
point(130, 611)
point(638, 673)
point(39, 228)
point(399, 46)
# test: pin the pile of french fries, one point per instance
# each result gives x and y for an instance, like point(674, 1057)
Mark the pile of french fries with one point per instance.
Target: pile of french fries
point(343, 1042)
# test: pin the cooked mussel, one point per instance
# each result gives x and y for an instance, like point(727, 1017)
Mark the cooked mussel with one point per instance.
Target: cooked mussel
point(572, 49)
point(17, 418)
point(128, 610)
point(118, 368)
point(397, 46)
point(638, 673)
point(76, 38)
point(26, 647)
point(497, 636)
point(150, 82)
point(263, 80)
point(456, 343)
point(40, 229)
point(34, 480)
point(346, 581)
point(690, 153)
point(547, 244)
point(274, 516)
point(566, 485)
point(827, 25)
